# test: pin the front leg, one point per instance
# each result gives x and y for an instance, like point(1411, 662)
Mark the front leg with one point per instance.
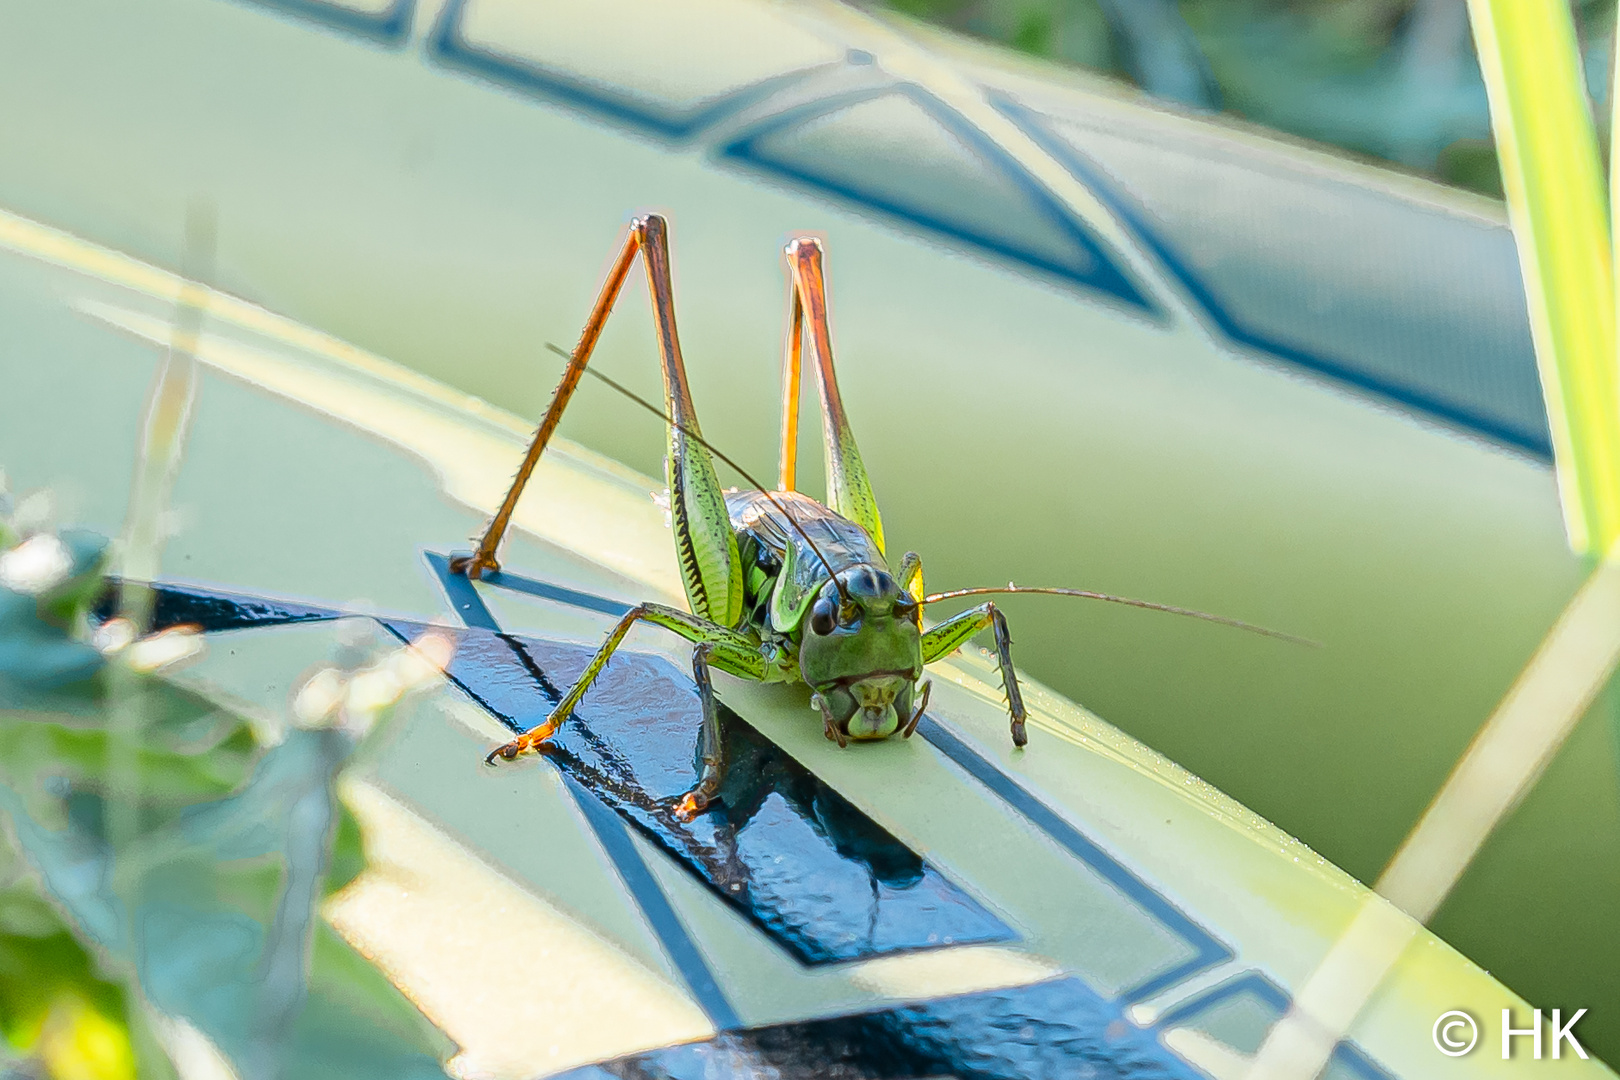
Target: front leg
point(710, 746)
point(829, 726)
point(730, 650)
point(954, 632)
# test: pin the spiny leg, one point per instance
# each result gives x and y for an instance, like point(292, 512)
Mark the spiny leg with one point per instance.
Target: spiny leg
point(948, 636)
point(792, 365)
point(711, 569)
point(483, 560)
point(705, 546)
point(728, 649)
point(710, 748)
point(849, 492)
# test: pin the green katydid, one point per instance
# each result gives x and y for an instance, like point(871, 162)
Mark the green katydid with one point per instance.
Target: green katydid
point(781, 588)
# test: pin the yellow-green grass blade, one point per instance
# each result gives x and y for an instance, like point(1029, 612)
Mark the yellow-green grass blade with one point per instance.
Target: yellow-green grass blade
point(1551, 175)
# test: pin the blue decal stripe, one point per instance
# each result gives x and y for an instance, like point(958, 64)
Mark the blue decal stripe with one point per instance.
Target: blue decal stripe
point(1132, 216)
point(447, 45)
point(610, 833)
point(388, 27)
point(1208, 952)
point(462, 594)
point(815, 875)
point(1105, 276)
point(174, 604)
point(614, 836)
point(1253, 982)
point(545, 590)
point(1052, 1029)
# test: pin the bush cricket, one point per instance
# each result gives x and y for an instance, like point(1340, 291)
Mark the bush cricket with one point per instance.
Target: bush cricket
point(781, 588)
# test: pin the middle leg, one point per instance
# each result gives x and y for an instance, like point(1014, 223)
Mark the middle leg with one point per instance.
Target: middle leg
point(710, 748)
point(731, 650)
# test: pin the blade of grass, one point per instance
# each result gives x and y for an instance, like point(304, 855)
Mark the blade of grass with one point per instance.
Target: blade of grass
point(1553, 181)
point(164, 432)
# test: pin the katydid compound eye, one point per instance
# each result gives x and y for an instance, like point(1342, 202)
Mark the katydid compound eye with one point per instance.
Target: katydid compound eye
point(824, 616)
point(905, 609)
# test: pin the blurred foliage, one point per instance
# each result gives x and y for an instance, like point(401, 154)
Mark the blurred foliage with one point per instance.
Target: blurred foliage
point(60, 1017)
point(163, 862)
point(1391, 79)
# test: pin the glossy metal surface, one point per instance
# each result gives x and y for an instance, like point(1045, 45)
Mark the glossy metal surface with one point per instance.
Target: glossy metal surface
point(1326, 419)
point(320, 472)
point(783, 848)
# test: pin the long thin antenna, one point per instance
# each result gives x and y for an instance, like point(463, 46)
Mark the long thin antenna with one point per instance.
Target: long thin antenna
point(1150, 605)
point(717, 452)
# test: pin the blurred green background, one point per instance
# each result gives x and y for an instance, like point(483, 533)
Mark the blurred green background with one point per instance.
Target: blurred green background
point(1395, 80)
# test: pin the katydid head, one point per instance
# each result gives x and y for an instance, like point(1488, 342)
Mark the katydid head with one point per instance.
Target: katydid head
point(861, 652)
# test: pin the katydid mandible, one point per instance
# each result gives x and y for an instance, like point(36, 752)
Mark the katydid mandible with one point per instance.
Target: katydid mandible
point(781, 588)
